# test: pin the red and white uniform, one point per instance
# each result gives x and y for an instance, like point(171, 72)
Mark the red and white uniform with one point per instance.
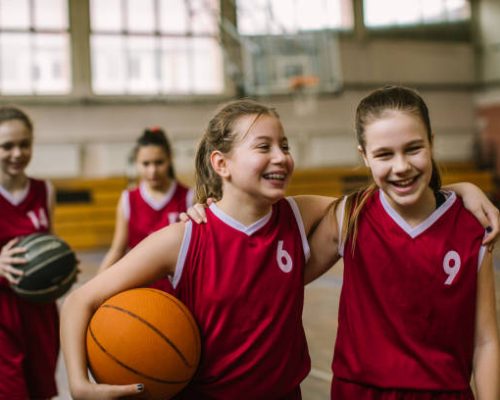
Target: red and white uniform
point(146, 215)
point(245, 288)
point(407, 307)
point(29, 332)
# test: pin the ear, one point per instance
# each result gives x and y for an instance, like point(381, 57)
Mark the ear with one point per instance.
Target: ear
point(363, 155)
point(219, 164)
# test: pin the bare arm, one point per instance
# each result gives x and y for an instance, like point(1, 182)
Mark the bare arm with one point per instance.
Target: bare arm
point(312, 209)
point(324, 243)
point(119, 244)
point(478, 204)
point(153, 258)
point(486, 347)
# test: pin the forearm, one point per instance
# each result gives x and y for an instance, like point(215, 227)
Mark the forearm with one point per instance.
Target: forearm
point(75, 316)
point(487, 371)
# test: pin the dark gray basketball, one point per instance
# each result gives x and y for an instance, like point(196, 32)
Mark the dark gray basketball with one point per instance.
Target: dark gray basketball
point(50, 270)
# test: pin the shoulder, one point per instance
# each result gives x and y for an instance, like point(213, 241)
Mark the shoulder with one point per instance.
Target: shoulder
point(312, 209)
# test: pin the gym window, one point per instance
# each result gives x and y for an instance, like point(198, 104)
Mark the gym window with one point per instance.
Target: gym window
point(401, 13)
point(34, 47)
point(275, 17)
point(155, 47)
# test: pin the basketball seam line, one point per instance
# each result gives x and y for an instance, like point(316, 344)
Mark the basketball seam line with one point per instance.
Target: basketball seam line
point(181, 306)
point(48, 261)
point(155, 329)
point(52, 288)
point(121, 363)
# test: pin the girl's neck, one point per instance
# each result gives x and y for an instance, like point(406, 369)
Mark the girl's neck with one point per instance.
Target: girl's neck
point(417, 213)
point(245, 212)
point(13, 184)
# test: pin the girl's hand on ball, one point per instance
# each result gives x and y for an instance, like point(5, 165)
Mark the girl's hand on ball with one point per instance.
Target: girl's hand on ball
point(7, 259)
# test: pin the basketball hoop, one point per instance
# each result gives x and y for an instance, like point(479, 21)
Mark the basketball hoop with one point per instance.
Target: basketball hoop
point(304, 89)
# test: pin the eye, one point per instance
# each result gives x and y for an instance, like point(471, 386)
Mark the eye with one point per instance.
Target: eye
point(383, 155)
point(285, 147)
point(414, 149)
point(7, 146)
point(263, 146)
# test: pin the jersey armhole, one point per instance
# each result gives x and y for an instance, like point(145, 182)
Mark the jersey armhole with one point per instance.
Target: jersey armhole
point(340, 223)
point(181, 259)
point(300, 224)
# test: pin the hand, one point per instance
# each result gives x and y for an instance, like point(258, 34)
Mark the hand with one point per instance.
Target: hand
point(106, 392)
point(8, 259)
point(196, 212)
point(481, 207)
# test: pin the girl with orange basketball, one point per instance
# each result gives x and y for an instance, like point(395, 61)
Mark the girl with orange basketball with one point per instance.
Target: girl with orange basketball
point(29, 340)
point(414, 263)
point(155, 203)
point(241, 274)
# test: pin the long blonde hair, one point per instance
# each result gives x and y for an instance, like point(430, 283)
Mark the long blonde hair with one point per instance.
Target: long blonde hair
point(220, 135)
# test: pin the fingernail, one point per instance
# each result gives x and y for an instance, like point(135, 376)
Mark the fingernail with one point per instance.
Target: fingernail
point(140, 387)
point(489, 229)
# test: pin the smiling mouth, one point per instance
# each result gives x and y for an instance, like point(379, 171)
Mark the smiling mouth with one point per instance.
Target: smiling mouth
point(275, 176)
point(404, 183)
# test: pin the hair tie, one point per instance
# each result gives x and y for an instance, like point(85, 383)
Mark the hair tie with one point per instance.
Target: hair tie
point(155, 129)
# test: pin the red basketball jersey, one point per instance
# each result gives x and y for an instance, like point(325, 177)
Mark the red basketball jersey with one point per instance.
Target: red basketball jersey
point(407, 307)
point(146, 216)
point(29, 332)
point(245, 287)
point(26, 215)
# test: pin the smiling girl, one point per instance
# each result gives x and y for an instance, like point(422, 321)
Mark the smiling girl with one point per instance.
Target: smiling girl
point(417, 308)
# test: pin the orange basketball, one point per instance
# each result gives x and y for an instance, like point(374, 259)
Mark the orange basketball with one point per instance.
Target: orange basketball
point(144, 336)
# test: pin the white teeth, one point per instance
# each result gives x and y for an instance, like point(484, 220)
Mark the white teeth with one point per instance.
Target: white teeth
point(404, 183)
point(275, 176)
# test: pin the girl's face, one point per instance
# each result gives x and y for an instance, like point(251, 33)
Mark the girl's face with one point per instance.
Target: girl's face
point(399, 154)
point(153, 164)
point(15, 148)
point(260, 164)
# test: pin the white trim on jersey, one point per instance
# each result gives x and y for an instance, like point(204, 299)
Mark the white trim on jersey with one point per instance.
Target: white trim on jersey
point(189, 198)
point(50, 192)
point(18, 198)
point(157, 204)
point(413, 232)
point(181, 258)
point(482, 253)
point(300, 224)
point(125, 204)
point(228, 220)
point(340, 224)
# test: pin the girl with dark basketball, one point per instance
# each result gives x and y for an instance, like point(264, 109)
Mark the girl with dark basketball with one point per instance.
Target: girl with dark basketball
point(155, 203)
point(241, 274)
point(417, 308)
point(29, 339)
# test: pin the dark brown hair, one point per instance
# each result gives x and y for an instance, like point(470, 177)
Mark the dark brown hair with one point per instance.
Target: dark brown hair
point(155, 136)
point(373, 107)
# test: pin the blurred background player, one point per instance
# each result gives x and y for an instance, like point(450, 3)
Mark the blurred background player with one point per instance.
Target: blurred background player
point(29, 332)
point(154, 203)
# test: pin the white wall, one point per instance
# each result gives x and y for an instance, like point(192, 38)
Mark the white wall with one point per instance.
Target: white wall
point(99, 135)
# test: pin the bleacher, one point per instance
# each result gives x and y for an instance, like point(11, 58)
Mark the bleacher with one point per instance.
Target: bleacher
point(86, 208)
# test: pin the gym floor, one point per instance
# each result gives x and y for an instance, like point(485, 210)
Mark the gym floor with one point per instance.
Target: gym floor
point(320, 321)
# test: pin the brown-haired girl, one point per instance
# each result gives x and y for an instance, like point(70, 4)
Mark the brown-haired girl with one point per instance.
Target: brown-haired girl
point(29, 340)
point(417, 308)
point(154, 203)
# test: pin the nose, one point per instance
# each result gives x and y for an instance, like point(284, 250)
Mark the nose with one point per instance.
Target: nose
point(279, 156)
point(17, 151)
point(401, 164)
